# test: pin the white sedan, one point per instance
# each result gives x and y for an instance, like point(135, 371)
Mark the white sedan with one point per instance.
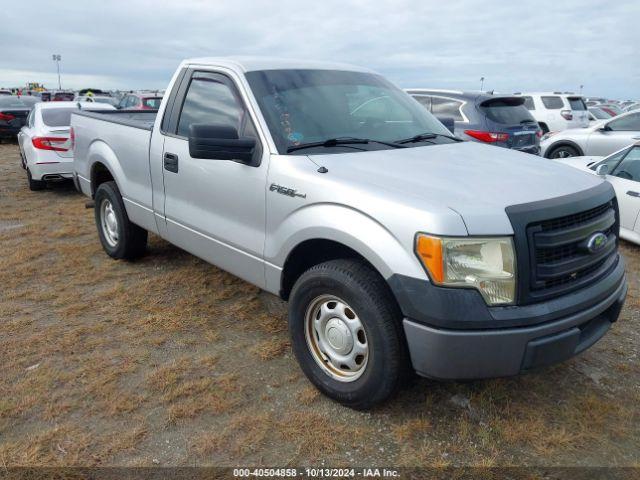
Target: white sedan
point(622, 170)
point(602, 138)
point(45, 146)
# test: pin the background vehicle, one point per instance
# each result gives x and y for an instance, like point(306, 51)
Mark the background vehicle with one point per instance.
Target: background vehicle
point(596, 114)
point(366, 215)
point(45, 146)
point(602, 138)
point(63, 96)
point(556, 111)
point(5, 92)
point(631, 107)
point(97, 99)
point(623, 172)
point(611, 108)
point(140, 101)
point(499, 120)
point(13, 115)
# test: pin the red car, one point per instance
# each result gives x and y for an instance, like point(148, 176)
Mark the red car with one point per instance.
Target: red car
point(140, 101)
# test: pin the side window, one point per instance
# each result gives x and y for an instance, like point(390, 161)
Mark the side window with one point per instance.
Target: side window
point(210, 100)
point(424, 101)
point(552, 103)
point(30, 119)
point(628, 123)
point(629, 167)
point(611, 161)
point(124, 102)
point(528, 103)
point(445, 107)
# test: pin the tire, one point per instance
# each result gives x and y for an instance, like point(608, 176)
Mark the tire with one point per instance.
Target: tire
point(563, 151)
point(35, 185)
point(120, 238)
point(359, 294)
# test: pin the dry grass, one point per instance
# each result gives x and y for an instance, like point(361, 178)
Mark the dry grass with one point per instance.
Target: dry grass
point(117, 363)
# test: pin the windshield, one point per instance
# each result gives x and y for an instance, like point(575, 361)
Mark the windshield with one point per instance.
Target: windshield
point(304, 106)
point(599, 114)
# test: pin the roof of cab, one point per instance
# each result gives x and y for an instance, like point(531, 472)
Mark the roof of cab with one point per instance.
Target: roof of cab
point(248, 64)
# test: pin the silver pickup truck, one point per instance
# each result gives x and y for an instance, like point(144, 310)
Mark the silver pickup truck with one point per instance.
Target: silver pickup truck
point(398, 246)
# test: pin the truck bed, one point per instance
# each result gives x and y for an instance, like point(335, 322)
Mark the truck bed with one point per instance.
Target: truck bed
point(132, 118)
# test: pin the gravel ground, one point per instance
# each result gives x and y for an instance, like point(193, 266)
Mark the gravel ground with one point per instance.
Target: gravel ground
point(171, 361)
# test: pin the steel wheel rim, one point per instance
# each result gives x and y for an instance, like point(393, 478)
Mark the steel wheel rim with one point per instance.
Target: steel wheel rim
point(109, 223)
point(336, 338)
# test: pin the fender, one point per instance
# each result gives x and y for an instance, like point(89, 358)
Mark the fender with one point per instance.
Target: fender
point(133, 192)
point(345, 225)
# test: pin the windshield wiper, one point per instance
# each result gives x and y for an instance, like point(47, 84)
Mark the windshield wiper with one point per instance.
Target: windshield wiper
point(527, 121)
point(427, 136)
point(334, 142)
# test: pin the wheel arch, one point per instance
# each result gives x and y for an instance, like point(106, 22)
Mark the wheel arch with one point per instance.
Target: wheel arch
point(563, 143)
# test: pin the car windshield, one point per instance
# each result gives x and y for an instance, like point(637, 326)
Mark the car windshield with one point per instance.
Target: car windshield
point(57, 117)
point(306, 106)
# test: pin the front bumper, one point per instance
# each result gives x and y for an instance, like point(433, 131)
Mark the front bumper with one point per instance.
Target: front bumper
point(506, 340)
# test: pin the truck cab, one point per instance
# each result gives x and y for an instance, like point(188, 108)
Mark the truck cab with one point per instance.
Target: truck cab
point(399, 247)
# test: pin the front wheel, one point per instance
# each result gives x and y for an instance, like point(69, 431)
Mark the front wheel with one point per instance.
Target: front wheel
point(346, 333)
point(119, 237)
point(564, 151)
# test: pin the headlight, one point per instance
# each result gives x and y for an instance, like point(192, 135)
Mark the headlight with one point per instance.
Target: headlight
point(487, 264)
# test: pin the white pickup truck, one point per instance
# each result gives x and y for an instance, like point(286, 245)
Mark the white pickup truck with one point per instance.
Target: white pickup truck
point(398, 246)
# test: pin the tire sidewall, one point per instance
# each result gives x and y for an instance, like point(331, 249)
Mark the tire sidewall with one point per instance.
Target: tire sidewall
point(379, 369)
point(566, 148)
point(107, 191)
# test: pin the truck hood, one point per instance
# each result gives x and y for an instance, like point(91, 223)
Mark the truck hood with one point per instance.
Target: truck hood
point(477, 181)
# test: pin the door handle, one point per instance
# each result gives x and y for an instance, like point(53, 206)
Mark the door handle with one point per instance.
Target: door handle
point(171, 162)
point(631, 193)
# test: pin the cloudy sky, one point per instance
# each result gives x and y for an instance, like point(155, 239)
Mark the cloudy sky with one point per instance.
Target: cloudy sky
point(538, 45)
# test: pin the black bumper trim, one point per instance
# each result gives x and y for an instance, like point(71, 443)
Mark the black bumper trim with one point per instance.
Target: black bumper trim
point(476, 354)
point(465, 309)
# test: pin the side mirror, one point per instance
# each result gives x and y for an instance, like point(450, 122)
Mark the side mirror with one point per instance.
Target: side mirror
point(602, 170)
point(604, 128)
point(448, 122)
point(218, 142)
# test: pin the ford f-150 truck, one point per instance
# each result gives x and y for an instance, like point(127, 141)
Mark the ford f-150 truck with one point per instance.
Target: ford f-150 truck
point(397, 246)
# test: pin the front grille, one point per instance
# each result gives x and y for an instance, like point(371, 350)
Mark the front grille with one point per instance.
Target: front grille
point(560, 257)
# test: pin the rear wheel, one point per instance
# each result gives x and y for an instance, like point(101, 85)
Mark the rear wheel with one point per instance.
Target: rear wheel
point(564, 151)
point(119, 237)
point(347, 333)
point(35, 185)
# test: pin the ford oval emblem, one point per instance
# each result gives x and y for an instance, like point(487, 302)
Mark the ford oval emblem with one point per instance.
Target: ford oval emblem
point(596, 242)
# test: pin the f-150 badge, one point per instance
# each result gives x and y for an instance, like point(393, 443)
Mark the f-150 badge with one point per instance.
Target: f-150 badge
point(290, 192)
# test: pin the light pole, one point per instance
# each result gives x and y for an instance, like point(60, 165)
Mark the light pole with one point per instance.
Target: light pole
point(481, 83)
point(56, 58)
point(581, 87)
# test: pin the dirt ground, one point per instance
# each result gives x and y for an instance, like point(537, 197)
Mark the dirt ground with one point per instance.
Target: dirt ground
point(171, 361)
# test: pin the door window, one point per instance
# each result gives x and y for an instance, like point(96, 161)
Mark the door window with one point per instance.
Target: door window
point(552, 103)
point(210, 100)
point(424, 101)
point(628, 123)
point(629, 167)
point(446, 107)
